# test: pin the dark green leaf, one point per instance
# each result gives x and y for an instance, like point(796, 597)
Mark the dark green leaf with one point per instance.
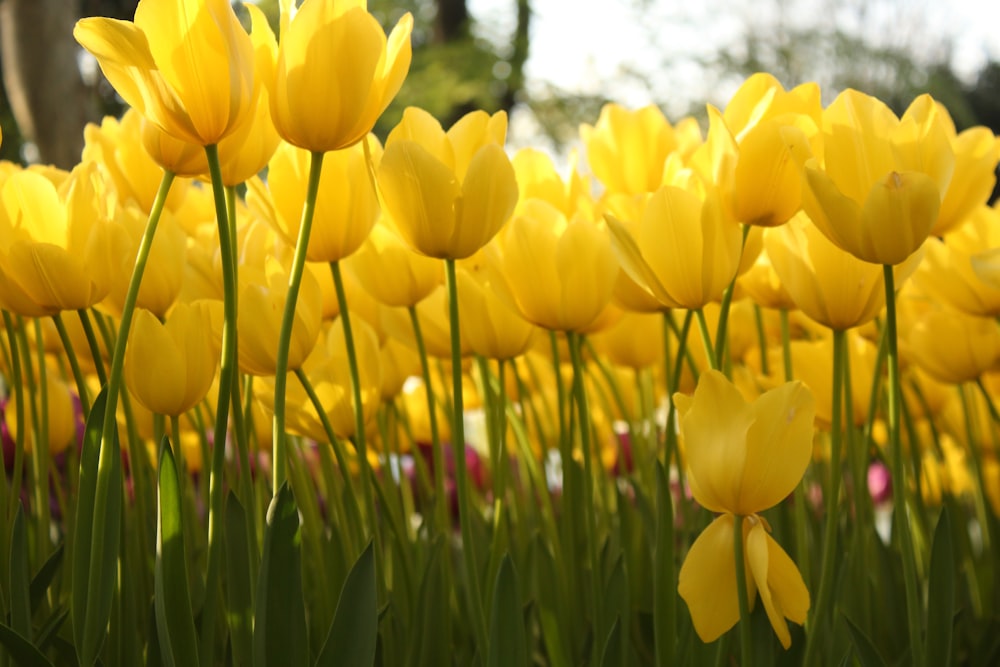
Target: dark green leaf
point(43, 578)
point(431, 636)
point(98, 513)
point(508, 643)
point(24, 653)
point(239, 601)
point(941, 595)
point(354, 632)
point(280, 636)
point(172, 601)
point(867, 654)
point(613, 654)
point(20, 597)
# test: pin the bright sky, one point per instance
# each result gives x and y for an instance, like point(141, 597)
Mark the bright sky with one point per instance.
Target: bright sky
point(590, 45)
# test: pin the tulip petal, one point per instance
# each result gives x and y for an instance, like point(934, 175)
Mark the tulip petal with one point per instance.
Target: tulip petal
point(897, 217)
point(633, 263)
point(489, 194)
point(778, 446)
point(778, 581)
point(707, 581)
point(154, 366)
point(716, 448)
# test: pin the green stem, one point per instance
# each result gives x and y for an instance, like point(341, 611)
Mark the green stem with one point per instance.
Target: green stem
point(74, 364)
point(461, 472)
point(727, 300)
point(902, 524)
point(360, 439)
point(95, 348)
point(706, 339)
point(280, 462)
point(105, 462)
point(786, 346)
point(831, 497)
point(590, 523)
point(761, 339)
point(437, 454)
point(40, 450)
point(20, 395)
point(353, 511)
point(746, 652)
point(227, 377)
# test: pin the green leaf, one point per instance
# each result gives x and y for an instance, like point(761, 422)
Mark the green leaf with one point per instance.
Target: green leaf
point(43, 578)
point(664, 572)
point(239, 601)
point(867, 654)
point(98, 511)
point(353, 634)
point(24, 653)
point(613, 654)
point(20, 595)
point(941, 594)
point(280, 636)
point(172, 602)
point(508, 643)
point(431, 637)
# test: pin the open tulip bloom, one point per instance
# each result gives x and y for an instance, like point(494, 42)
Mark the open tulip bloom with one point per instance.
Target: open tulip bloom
point(275, 394)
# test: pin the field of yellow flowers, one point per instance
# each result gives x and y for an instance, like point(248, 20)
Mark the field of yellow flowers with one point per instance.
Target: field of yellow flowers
point(279, 394)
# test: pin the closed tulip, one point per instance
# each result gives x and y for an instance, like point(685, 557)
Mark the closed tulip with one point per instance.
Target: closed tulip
point(336, 73)
point(952, 347)
point(187, 66)
point(488, 318)
point(412, 278)
point(346, 208)
point(878, 191)
point(169, 366)
point(448, 193)
point(561, 272)
point(262, 294)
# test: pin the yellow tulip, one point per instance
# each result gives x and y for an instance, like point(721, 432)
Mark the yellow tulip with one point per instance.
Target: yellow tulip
point(561, 272)
point(187, 65)
point(448, 193)
point(346, 208)
point(754, 148)
point(169, 367)
point(743, 458)
point(635, 341)
point(487, 315)
point(952, 347)
point(61, 426)
point(762, 284)
point(412, 277)
point(686, 249)
point(162, 280)
point(55, 249)
point(262, 295)
point(878, 193)
point(432, 314)
point(827, 283)
point(117, 145)
point(399, 363)
point(537, 178)
point(627, 149)
point(336, 73)
point(976, 152)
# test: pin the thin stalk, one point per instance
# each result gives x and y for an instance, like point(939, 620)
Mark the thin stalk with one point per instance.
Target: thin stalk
point(831, 496)
point(280, 446)
point(20, 394)
point(758, 314)
point(590, 523)
point(227, 377)
point(902, 524)
point(721, 337)
point(360, 439)
point(437, 452)
point(95, 349)
point(461, 471)
point(40, 451)
point(74, 363)
point(706, 339)
point(353, 511)
point(105, 463)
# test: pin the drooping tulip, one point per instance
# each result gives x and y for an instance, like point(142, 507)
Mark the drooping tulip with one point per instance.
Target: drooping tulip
point(743, 458)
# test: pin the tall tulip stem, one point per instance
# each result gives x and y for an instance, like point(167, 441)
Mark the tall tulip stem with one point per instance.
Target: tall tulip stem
point(461, 472)
point(280, 448)
point(746, 644)
point(902, 523)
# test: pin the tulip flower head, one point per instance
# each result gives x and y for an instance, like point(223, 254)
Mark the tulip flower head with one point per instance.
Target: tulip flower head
point(743, 458)
point(187, 65)
point(336, 73)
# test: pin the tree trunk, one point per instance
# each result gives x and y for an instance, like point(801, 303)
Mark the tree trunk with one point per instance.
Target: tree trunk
point(40, 72)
